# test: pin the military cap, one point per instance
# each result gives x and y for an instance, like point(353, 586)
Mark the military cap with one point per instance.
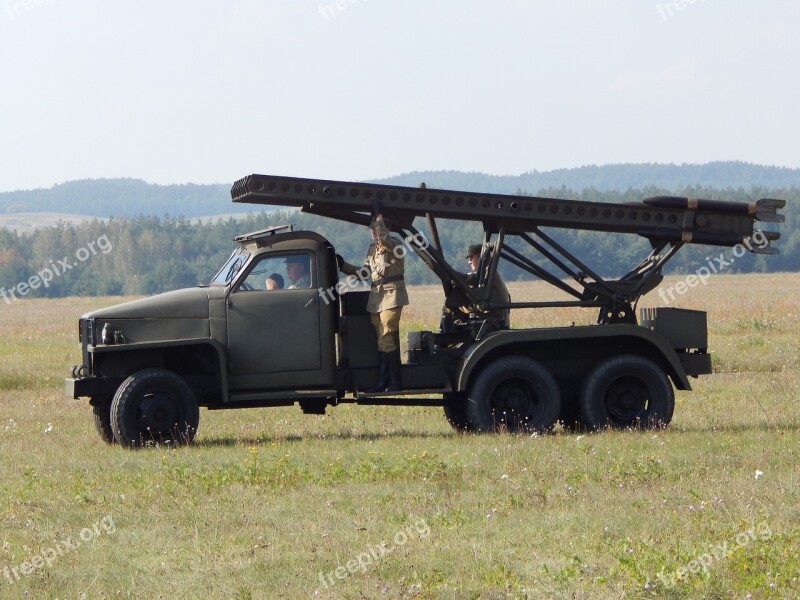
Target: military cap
point(473, 250)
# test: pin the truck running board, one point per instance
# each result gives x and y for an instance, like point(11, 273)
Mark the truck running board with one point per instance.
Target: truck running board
point(402, 398)
point(280, 398)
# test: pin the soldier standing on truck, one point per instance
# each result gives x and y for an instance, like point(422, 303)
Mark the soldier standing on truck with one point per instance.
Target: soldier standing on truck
point(387, 297)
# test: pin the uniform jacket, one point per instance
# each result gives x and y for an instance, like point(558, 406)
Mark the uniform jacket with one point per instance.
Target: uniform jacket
point(382, 261)
point(500, 295)
point(299, 284)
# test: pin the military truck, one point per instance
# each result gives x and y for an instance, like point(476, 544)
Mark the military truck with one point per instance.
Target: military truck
point(148, 365)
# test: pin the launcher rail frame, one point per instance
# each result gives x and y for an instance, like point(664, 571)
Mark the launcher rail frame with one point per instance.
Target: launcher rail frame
point(668, 222)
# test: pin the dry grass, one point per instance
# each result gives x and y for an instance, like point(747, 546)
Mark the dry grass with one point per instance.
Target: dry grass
point(268, 499)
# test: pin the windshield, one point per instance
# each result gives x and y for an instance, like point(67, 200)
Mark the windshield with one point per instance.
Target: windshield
point(231, 267)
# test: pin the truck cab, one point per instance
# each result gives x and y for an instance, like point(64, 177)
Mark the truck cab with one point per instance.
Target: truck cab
point(231, 342)
point(280, 338)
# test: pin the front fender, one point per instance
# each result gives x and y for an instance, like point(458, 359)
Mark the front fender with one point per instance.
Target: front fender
point(100, 350)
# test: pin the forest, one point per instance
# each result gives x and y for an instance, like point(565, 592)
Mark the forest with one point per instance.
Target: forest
point(148, 254)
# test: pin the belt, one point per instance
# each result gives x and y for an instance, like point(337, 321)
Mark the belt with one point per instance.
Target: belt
point(389, 279)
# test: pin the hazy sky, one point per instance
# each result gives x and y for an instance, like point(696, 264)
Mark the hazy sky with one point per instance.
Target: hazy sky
point(208, 91)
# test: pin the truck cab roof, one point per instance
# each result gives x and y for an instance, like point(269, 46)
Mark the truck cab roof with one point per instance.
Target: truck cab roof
point(277, 234)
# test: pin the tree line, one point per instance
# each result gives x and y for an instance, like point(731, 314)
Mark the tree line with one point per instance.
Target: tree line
point(149, 254)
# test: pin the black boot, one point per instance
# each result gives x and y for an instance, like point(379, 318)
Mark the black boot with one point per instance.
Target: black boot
point(383, 374)
point(393, 358)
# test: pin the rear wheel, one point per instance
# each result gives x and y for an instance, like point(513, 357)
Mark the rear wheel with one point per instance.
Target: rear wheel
point(627, 391)
point(154, 405)
point(455, 410)
point(570, 417)
point(101, 409)
point(514, 393)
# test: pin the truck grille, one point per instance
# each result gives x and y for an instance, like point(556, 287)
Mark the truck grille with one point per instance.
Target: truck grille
point(88, 337)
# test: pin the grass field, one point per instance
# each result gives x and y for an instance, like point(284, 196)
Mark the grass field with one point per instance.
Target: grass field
point(269, 502)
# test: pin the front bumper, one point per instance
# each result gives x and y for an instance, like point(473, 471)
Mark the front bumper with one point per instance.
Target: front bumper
point(91, 387)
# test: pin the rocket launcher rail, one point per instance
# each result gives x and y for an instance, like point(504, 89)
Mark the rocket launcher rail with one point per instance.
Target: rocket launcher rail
point(662, 218)
point(668, 222)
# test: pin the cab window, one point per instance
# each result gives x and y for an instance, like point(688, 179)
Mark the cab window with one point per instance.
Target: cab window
point(280, 272)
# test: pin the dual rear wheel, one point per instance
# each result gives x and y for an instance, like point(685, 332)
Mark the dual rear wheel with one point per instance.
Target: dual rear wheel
point(518, 394)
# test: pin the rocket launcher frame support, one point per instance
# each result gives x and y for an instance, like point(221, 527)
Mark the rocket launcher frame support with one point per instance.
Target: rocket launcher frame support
point(668, 222)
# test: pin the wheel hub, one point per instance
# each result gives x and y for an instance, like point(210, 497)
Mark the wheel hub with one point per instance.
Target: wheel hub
point(626, 400)
point(157, 412)
point(515, 402)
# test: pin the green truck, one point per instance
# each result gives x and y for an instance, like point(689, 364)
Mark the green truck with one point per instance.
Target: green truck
point(148, 365)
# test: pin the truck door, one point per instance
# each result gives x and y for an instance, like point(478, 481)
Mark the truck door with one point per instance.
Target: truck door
point(274, 325)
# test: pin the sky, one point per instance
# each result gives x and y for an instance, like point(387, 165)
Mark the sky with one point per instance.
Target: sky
point(208, 91)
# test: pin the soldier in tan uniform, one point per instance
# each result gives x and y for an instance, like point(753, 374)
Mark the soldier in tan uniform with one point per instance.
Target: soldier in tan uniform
point(387, 297)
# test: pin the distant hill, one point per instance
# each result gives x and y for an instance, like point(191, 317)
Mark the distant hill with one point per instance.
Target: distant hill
point(132, 197)
point(605, 178)
point(124, 197)
point(29, 222)
point(26, 223)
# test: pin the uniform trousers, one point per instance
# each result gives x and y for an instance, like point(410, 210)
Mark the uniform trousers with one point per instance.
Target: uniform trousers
point(387, 325)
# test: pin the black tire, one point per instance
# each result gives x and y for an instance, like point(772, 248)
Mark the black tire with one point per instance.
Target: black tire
point(627, 391)
point(101, 409)
point(514, 393)
point(570, 417)
point(455, 411)
point(154, 405)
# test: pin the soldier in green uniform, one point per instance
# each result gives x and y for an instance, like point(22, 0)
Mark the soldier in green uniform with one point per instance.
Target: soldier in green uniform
point(297, 271)
point(500, 291)
point(387, 297)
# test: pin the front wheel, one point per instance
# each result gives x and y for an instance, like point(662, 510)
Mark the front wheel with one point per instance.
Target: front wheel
point(101, 410)
point(154, 405)
point(627, 391)
point(516, 394)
